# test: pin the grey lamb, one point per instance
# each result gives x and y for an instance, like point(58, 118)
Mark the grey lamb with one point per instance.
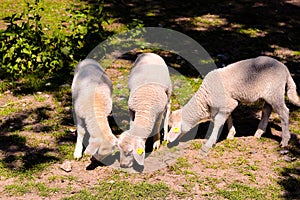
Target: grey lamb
point(150, 90)
point(92, 103)
point(244, 81)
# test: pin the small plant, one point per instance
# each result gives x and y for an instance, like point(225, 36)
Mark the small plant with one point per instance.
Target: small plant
point(16, 189)
point(27, 49)
point(241, 191)
point(24, 45)
point(196, 145)
point(180, 165)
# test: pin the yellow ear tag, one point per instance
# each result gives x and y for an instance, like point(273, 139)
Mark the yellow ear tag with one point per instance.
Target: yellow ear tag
point(176, 130)
point(140, 151)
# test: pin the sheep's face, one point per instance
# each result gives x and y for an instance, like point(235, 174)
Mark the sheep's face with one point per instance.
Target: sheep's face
point(131, 148)
point(175, 123)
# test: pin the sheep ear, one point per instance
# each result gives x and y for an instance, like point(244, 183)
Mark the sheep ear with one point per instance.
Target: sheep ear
point(175, 132)
point(139, 153)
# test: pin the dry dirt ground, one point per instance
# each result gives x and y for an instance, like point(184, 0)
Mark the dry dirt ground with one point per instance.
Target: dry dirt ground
point(245, 160)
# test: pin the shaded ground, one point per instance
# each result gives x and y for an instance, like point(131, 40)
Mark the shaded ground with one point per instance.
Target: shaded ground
point(29, 133)
point(36, 132)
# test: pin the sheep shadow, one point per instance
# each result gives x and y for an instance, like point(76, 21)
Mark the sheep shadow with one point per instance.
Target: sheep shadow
point(245, 121)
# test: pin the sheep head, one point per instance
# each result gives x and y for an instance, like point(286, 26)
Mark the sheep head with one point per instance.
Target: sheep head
point(175, 123)
point(131, 148)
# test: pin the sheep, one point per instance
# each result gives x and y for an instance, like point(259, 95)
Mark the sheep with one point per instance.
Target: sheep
point(222, 89)
point(92, 103)
point(150, 90)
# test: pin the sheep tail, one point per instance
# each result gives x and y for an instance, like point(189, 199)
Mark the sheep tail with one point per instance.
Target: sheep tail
point(292, 92)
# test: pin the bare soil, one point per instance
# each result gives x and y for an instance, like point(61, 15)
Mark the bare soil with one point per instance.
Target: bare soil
point(228, 162)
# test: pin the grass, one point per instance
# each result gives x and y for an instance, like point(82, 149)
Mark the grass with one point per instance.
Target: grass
point(124, 190)
point(241, 191)
point(8, 108)
point(52, 11)
point(182, 87)
point(209, 20)
point(180, 165)
point(26, 166)
point(66, 150)
point(252, 32)
point(21, 189)
point(196, 145)
point(34, 144)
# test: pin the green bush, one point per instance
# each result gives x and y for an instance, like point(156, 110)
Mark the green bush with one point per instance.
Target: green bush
point(27, 49)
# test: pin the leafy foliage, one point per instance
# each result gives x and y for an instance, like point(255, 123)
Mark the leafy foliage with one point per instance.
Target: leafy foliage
point(27, 48)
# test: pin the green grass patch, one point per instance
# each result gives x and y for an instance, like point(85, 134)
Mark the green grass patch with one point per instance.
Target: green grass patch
point(296, 53)
point(251, 32)
point(196, 145)
point(209, 20)
point(124, 190)
point(16, 189)
point(180, 165)
point(11, 6)
point(8, 108)
point(52, 12)
point(39, 98)
point(62, 178)
point(21, 189)
point(66, 150)
point(183, 89)
point(241, 191)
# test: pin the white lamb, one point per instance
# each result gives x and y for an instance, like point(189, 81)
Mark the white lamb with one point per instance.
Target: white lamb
point(222, 89)
point(92, 103)
point(150, 90)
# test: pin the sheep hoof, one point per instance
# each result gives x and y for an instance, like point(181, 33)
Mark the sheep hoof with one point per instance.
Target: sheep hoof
point(156, 145)
point(284, 143)
point(204, 151)
point(88, 152)
point(77, 158)
point(230, 137)
point(77, 155)
point(258, 133)
point(165, 137)
point(166, 134)
point(231, 134)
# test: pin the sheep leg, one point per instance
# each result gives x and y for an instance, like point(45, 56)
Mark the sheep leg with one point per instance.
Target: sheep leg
point(231, 128)
point(283, 113)
point(219, 121)
point(166, 122)
point(79, 142)
point(266, 111)
point(156, 131)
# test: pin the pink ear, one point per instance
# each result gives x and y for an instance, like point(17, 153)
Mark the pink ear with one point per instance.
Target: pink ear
point(174, 133)
point(139, 152)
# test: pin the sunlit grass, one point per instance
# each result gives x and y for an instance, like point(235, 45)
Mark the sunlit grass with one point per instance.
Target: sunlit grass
point(242, 191)
point(52, 13)
point(209, 20)
point(124, 190)
point(21, 189)
point(252, 32)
